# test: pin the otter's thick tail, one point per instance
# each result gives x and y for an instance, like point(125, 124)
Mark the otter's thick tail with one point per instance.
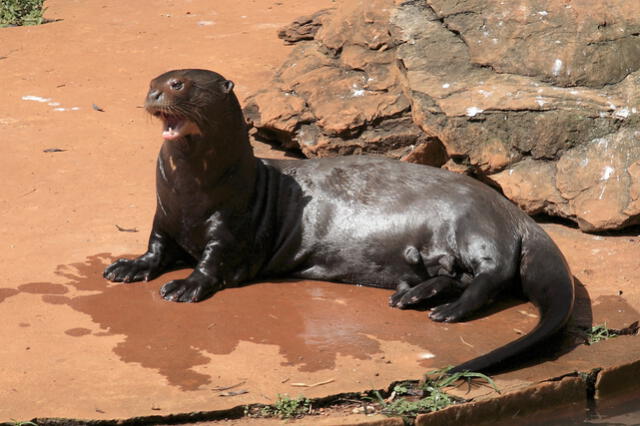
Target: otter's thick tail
point(547, 282)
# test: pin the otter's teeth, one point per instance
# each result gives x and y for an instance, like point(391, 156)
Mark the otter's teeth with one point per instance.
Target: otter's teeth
point(176, 128)
point(171, 129)
point(170, 133)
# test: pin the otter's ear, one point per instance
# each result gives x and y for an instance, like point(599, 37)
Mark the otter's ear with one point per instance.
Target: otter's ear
point(227, 86)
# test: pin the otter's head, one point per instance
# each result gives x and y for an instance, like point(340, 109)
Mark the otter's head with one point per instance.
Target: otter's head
point(190, 102)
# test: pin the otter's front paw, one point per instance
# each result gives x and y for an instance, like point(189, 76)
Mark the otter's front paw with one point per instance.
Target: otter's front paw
point(187, 290)
point(129, 270)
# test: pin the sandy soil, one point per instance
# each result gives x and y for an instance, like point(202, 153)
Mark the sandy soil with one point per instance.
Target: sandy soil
point(74, 345)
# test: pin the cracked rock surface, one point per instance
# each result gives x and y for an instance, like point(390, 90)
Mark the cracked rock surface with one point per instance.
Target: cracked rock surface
point(540, 98)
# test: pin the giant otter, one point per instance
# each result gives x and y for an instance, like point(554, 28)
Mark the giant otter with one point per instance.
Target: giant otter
point(427, 233)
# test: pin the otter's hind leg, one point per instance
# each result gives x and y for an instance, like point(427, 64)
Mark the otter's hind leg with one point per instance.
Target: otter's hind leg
point(430, 292)
point(480, 292)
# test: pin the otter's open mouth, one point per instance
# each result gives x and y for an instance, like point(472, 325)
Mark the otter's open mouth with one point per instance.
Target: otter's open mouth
point(175, 127)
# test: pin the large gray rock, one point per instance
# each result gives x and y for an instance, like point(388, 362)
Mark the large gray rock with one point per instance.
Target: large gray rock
point(540, 98)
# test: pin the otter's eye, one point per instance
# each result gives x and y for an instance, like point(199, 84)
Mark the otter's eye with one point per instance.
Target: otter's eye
point(176, 84)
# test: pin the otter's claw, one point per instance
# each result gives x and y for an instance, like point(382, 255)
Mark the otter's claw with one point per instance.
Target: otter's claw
point(186, 290)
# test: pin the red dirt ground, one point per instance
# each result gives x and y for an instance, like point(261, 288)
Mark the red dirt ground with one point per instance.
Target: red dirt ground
point(74, 345)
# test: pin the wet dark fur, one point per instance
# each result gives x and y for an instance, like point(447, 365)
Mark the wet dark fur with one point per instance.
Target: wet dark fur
point(425, 232)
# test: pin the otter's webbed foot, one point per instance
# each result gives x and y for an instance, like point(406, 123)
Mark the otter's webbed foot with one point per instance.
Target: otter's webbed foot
point(401, 290)
point(194, 288)
point(448, 312)
point(428, 292)
point(477, 294)
point(145, 267)
point(161, 254)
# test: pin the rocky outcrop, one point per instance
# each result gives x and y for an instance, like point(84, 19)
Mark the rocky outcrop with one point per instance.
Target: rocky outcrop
point(540, 98)
point(303, 28)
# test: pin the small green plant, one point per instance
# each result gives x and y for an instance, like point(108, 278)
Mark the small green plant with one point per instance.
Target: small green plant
point(600, 332)
point(402, 389)
point(436, 398)
point(17, 423)
point(286, 407)
point(21, 12)
point(403, 407)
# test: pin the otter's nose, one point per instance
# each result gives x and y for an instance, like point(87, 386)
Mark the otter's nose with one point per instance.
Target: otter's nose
point(154, 95)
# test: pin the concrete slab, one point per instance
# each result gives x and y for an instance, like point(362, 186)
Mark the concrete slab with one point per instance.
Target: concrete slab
point(73, 345)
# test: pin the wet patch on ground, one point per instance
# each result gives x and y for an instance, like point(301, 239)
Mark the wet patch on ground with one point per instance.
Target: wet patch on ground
point(312, 323)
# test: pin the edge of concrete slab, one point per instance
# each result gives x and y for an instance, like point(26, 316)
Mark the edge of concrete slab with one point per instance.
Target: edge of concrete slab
point(577, 387)
point(612, 381)
point(237, 412)
point(535, 398)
